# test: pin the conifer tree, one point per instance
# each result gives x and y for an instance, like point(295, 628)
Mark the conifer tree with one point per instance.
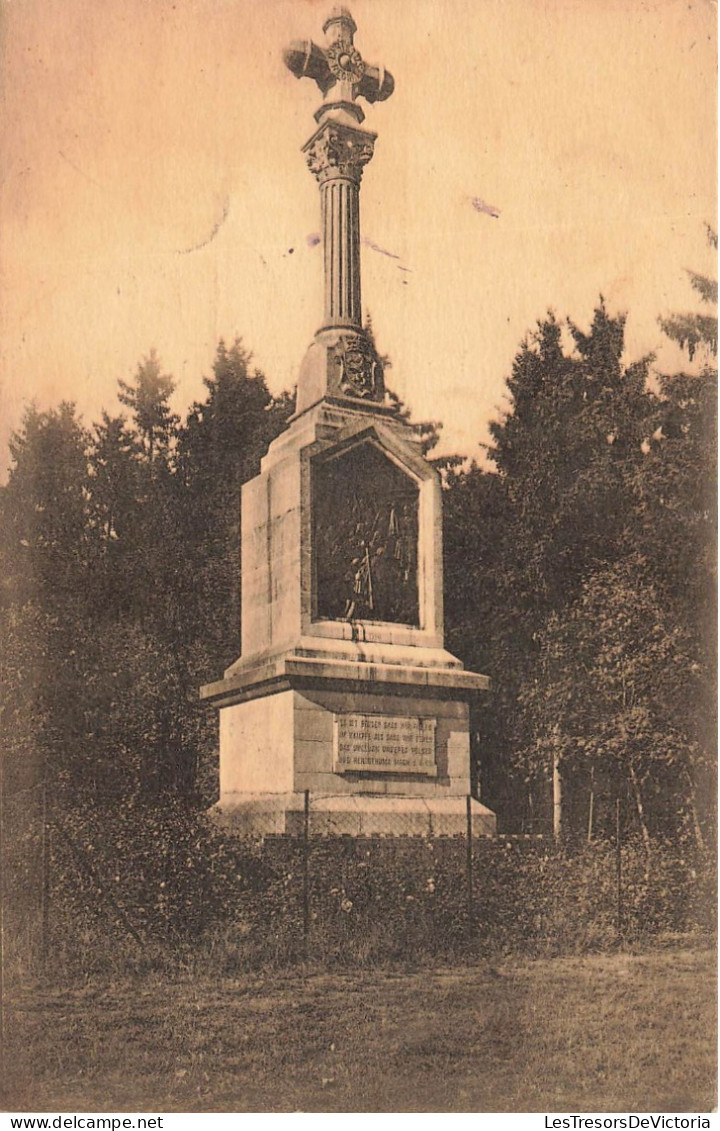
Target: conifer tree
point(148, 397)
point(557, 508)
point(220, 448)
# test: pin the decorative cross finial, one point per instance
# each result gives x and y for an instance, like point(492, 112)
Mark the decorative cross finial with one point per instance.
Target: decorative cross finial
point(339, 69)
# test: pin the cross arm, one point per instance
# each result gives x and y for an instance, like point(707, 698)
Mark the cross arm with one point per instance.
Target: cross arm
point(306, 60)
point(376, 85)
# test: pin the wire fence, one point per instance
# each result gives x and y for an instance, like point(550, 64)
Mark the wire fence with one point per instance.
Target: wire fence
point(91, 888)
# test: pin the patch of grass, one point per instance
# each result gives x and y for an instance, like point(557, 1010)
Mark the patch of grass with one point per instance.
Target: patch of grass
point(598, 1033)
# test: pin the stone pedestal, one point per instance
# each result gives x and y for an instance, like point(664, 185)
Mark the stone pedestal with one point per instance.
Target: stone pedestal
point(371, 716)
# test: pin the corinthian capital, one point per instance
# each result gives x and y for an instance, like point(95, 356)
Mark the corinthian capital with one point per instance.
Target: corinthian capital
point(339, 151)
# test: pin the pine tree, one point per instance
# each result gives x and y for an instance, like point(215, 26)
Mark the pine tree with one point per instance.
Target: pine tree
point(220, 448)
point(43, 510)
point(557, 509)
point(47, 564)
point(149, 399)
point(692, 331)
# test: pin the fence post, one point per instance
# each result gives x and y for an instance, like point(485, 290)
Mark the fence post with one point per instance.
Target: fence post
point(618, 866)
point(2, 920)
point(306, 872)
point(45, 882)
point(469, 865)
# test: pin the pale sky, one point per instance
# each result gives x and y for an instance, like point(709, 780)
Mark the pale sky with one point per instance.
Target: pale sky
point(154, 194)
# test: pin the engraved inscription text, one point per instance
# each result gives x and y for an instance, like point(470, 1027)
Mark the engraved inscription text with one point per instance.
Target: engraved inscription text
point(385, 744)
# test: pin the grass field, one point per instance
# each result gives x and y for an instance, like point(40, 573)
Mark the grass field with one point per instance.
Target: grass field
point(611, 1033)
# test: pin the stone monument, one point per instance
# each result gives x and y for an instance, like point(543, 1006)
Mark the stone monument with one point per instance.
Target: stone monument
point(343, 687)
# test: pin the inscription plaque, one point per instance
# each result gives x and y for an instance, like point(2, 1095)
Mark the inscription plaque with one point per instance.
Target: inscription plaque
point(393, 744)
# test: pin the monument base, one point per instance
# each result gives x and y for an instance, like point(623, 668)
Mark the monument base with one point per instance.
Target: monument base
point(382, 748)
point(368, 713)
point(352, 815)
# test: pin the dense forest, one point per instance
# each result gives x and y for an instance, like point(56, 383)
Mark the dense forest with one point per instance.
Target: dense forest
point(579, 574)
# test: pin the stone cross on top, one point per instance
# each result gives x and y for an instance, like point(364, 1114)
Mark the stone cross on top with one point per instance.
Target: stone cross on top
point(343, 361)
point(338, 68)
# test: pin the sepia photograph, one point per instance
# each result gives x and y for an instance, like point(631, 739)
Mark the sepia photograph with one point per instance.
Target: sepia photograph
point(358, 560)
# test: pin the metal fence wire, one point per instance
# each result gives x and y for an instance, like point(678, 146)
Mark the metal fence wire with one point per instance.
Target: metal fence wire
point(83, 887)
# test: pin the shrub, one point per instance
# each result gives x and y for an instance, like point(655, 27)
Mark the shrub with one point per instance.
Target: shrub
point(137, 887)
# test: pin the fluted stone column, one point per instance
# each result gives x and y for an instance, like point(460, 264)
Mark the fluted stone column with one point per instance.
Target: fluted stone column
point(341, 236)
point(336, 155)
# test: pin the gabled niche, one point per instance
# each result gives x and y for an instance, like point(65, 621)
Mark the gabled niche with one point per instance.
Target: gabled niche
point(365, 531)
